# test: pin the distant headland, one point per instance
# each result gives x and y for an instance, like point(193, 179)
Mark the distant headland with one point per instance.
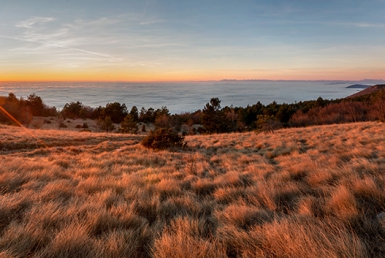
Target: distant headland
point(368, 90)
point(329, 82)
point(358, 86)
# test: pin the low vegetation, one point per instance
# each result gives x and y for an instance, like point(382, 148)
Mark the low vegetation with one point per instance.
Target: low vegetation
point(163, 138)
point(300, 192)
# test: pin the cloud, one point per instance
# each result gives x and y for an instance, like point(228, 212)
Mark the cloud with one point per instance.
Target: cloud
point(53, 45)
point(126, 40)
point(150, 21)
point(35, 20)
point(368, 25)
point(73, 37)
point(101, 22)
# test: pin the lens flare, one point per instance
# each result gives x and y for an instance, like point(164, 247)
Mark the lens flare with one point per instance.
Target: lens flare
point(19, 124)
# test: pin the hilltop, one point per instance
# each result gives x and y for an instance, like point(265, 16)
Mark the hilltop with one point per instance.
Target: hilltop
point(300, 192)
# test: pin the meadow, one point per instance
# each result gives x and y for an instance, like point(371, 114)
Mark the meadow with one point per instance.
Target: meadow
point(316, 191)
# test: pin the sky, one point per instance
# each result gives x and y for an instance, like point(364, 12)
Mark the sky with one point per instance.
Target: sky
point(176, 40)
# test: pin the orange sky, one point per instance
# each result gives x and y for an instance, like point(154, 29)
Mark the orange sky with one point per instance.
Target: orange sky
point(188, 75)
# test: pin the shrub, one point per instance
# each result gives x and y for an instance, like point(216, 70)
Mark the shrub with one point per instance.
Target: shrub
point(162, 138)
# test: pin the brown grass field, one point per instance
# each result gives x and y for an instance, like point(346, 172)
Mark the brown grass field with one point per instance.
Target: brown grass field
point(301, 192)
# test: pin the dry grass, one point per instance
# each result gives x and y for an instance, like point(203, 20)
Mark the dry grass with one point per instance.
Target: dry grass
point(307, 192)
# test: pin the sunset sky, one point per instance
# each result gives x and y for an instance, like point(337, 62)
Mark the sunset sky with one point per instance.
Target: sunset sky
point(170, 40)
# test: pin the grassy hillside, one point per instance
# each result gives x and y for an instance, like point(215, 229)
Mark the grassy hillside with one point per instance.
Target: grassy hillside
point(308, 192)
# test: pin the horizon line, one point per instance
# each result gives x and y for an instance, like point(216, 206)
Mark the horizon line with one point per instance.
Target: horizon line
point(176, 81)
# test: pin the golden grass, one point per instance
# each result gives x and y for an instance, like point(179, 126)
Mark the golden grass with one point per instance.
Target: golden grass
point(306, 192)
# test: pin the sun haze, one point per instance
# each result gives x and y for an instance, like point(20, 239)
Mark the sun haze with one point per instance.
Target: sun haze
point(191, 40)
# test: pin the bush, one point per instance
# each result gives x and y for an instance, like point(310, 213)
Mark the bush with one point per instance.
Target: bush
point(163, 138)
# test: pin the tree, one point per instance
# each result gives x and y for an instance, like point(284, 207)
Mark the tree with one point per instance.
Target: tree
point(116, 111)
point(162, 121)
point(232, 118)
point(86, 112)
point(129, 125)
point(162, 111)
point(36, 104)
point(249, 114)
point(72, 110)
point(106, 124)
point(147, 115)
point(12, 97)
point(213, 118)
point(12, 105)
point(134, 113)
point(98, 113)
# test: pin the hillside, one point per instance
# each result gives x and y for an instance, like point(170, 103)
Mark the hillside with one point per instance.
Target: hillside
point(300, 192)
point(369, 90)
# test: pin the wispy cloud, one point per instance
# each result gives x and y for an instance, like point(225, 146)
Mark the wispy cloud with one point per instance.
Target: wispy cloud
point(35, 20)
point(56, 45)
point(131, 39)
point(368, 25)
point(47, 32)
point(151, 21)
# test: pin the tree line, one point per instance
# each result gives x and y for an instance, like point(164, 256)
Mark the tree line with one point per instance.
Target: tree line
point(213, 118)
point(23, 110)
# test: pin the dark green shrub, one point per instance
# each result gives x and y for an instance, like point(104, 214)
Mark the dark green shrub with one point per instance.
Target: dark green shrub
point(163, 138)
